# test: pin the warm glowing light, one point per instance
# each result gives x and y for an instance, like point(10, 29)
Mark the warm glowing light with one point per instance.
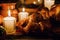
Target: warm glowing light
point(57, 10)
point(9, 23)
point(9, 12)
point(22, 15)
point(34, 2)
point(49, 3)
point(23, 9)
point(12, 7)
point(38, 0)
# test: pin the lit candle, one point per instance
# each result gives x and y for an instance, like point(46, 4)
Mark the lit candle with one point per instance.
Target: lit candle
point(22, 15)
point(49, 3)
point(9, 24)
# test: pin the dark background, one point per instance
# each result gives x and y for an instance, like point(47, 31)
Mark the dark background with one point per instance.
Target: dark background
point(13, 1)
point(57, 1)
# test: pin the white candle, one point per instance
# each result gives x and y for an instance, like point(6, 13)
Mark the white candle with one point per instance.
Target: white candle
point(9, 24)
point(22, 15)
point(49, 3)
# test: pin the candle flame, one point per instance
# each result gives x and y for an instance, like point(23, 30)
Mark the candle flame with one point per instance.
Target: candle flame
point(34, 2)
point(9, 12)
point(23, 9)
